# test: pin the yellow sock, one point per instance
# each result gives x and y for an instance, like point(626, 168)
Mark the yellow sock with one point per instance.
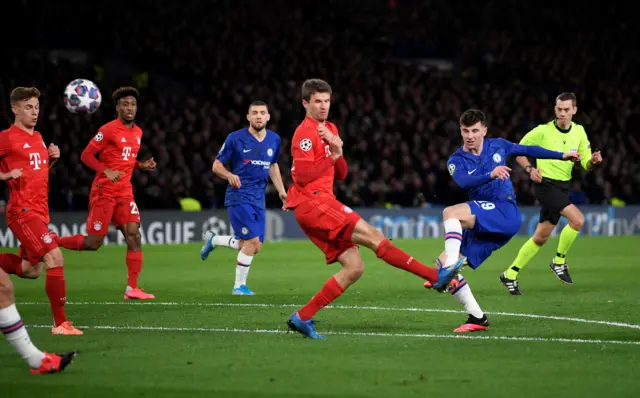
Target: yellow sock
point(526, 253)
point(567, 236)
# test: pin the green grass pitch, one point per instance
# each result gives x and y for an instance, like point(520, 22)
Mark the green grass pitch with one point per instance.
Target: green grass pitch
point(387, 335)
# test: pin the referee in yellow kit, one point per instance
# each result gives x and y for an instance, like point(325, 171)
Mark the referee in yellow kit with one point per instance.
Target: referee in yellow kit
point(552, 179)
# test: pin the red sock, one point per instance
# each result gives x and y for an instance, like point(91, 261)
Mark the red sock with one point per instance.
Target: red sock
point(75, 242)
point(390, 254)
point(11, 263)
point(329, 292)
point(134, 266)
point(57, 291)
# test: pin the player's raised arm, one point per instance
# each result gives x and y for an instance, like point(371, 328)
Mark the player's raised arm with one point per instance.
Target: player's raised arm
point(465, 178)
point(534, 151)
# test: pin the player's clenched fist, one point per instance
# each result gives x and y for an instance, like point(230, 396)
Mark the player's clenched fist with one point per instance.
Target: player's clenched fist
point(148, 164)
point(15, 173)
point(596, 157)
point(572, 156)
point(113, 175)
point(328, 136)
point(54, 152)
point(234, 180)
point(501, 172)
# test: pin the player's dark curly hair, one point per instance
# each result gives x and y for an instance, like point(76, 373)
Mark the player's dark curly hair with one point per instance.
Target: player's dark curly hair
point(471, 117)
point(125, 92)
point(312, 86)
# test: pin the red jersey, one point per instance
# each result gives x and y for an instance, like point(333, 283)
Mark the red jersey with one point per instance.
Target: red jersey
point(308, 148)
point(118, 146)
point(29, 194)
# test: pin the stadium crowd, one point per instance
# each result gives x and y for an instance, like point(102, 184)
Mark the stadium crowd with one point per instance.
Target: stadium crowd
point(396, 107)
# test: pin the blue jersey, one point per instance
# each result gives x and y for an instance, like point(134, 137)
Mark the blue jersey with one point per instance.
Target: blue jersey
point(473, 172)
point(250, 160)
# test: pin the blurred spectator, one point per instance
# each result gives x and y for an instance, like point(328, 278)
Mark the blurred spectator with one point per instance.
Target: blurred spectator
point(402, 72)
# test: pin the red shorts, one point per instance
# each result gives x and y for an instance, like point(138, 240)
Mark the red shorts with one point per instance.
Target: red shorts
point(104, 210)
point(329, 224)
point(35, 241)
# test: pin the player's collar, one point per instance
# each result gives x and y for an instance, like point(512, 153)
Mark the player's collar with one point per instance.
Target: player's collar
point(560, 129)
point(18, 129)
point(313, 122)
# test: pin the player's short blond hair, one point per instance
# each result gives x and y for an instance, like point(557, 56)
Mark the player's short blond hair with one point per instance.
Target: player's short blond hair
point(22, 94)
point(313, 86)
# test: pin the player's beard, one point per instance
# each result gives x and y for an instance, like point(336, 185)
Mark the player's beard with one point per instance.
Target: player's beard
point(258, 126)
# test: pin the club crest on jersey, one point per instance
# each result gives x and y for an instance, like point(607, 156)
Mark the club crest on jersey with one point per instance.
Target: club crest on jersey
point(347, 209)
point(97, 225)
point(99, 136)
point(497, 158)
point(245, 231)
point(46, 238)
point(452, 168)
point(306, 145)
point(270, 152)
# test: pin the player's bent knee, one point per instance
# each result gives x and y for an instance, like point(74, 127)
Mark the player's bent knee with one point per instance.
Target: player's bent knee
point(31, 271)
point(366, 235)
point(352, 265)
point(94, 242)
point(461, 212)
point(54, 258)
point(577, 222)
point(540, 238)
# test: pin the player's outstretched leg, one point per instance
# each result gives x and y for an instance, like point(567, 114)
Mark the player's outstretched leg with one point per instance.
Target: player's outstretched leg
point(14, 330)
point(56, 288)
point(352, 269)
point(133, 238)
point(212, 240)
point(366, 235)
point(78, 242)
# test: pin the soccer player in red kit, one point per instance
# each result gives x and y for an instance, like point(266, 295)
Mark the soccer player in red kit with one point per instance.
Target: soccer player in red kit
point(335, 228)
point(111, 198)
point(24, 165)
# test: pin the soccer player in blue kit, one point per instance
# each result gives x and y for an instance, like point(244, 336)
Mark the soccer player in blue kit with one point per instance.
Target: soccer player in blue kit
point(491, 218)
point(253, 154)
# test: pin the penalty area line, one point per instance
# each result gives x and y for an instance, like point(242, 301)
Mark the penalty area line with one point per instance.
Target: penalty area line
point(358, 334)
point(345, 307)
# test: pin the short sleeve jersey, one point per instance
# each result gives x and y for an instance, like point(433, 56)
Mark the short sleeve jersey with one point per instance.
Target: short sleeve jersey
point(251, 161)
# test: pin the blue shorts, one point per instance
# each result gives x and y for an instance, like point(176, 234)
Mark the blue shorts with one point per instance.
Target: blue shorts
point(247, 221)
point(496, 223)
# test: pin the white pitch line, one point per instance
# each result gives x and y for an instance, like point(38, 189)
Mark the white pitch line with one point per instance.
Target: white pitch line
point(348, 307)
point(360, 334)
